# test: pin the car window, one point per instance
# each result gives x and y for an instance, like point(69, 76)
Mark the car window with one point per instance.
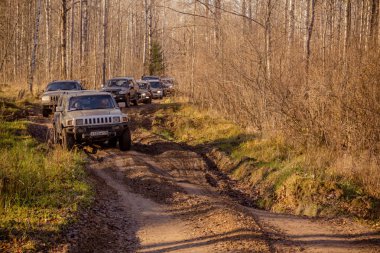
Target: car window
point(119, 83)
point(143, 85)
point(155, 85)
point(62, 86)
point(150, 78)
point(91, 102)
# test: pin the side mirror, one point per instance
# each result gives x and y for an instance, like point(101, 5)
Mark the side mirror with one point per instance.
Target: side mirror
point(59, 109)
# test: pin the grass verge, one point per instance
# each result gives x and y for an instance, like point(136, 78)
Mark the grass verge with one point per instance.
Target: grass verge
point(286, 178)
point(40, 188)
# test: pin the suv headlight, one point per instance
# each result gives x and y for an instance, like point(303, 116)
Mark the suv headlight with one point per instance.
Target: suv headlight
point(45, 98)
point(116, 119)
point(125, 119)
point(143, 94)
point(79, 122)
point(123, 92)
point(159, 91)
point(69, 122)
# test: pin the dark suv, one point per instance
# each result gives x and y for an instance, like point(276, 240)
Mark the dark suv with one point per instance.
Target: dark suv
point(53, 91)
point(124, 90)
point(168, 85)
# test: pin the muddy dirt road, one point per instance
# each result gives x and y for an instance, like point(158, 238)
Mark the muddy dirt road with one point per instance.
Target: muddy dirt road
point(166, 197)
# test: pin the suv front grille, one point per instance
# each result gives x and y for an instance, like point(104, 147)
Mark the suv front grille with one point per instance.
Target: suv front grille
point(97, 120)
point(54, 99)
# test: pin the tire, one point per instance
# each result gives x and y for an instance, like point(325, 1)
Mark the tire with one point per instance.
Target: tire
point(68, 140)
point(45, 113)
point(127, 101)
point(149, 101)
point(112, 142)
point(54, 136)
point(125, 141)
point(135, 102)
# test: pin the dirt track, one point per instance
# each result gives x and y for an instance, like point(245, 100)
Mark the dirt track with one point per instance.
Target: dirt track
point(165, 197)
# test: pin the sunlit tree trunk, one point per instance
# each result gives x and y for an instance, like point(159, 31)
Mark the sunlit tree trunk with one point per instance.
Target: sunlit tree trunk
point(32, 67)
point(63, 36)
point(72, 38)
point(374, 26)
point(105, 25)
point(310, 28)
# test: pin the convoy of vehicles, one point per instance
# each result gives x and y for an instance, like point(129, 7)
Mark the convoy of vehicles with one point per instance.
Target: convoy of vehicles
point(89, 117)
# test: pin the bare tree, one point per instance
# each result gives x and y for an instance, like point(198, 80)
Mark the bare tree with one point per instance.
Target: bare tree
point(35, 45)
point(105, 26)
point(63, 39)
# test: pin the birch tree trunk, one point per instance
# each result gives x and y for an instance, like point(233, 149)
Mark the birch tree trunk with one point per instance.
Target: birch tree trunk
point(218, 17)
point(347, 32)
point(32, 67)
point(309, 35)
point(85, 44)
point(47, 36)
point(268, 41)
point(63, 40)
point(80, 33)
point(105, 25)
point(72, 38)
point(146, 35)
point(374, 26)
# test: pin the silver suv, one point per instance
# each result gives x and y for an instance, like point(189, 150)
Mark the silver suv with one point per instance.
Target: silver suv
point(53, 90)
point(90, 117)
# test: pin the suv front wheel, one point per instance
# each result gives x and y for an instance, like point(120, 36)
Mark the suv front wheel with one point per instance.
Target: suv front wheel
point(45, 112)
point(125, 141)
point(54, 136)
point(127, 101)
point(68, 140)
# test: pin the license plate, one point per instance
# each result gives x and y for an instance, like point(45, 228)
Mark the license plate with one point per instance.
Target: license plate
point(121, 104)
point(99, 133)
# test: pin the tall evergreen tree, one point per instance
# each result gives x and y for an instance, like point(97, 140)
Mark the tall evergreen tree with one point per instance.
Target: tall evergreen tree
point(157, 63)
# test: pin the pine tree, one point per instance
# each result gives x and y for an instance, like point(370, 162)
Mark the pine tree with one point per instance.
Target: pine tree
point(156, 64)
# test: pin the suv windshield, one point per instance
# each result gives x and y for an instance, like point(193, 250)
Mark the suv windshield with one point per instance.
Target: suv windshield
point(147, 78)
point(62, 86)
point(155, 85)
point(91, 102)
point(119, 83)
point(143, 86)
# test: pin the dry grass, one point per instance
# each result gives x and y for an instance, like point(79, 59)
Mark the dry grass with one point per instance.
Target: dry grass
point(40, 188)
point(288, 178)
